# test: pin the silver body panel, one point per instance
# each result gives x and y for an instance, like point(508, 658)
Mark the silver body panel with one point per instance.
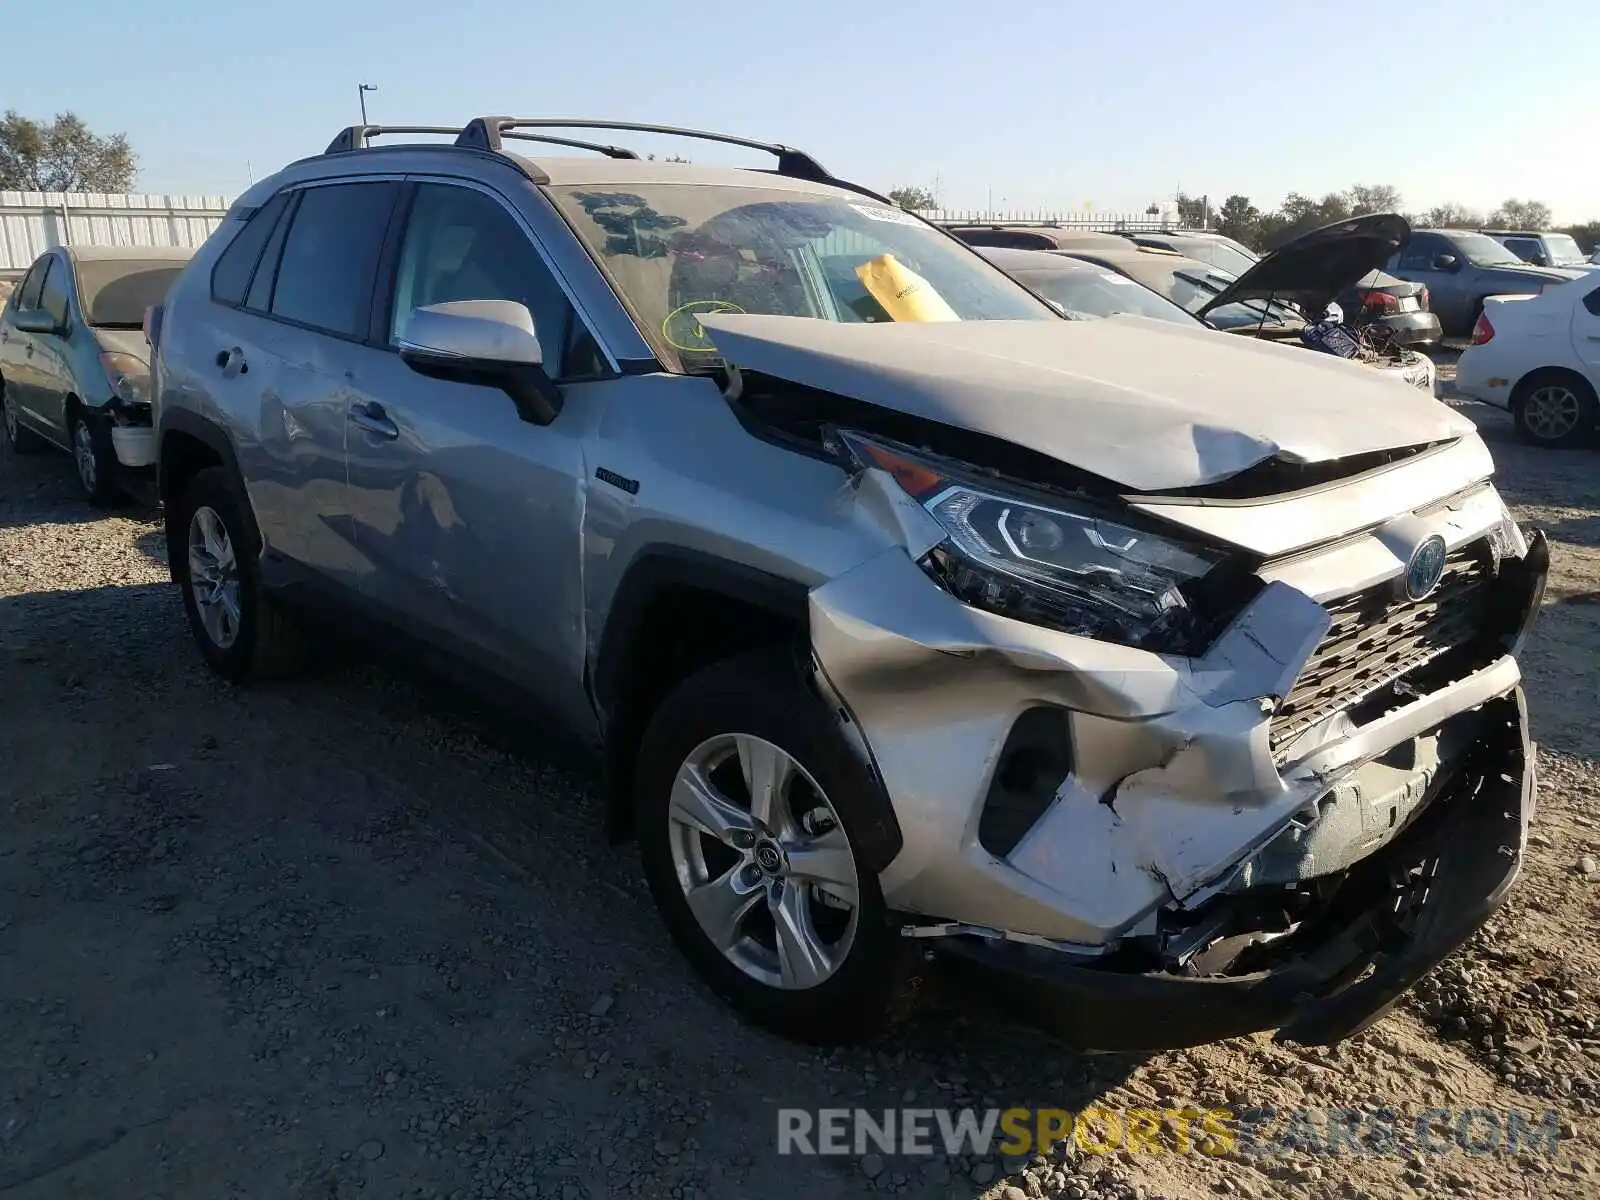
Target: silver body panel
point(495, 539)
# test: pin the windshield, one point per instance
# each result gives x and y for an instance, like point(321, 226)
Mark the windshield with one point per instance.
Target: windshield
point(1090, 295)
point(677, 251)
point(1194, 291)
point(1483, 251)
point(1219, 253)
point(1563, 250)
point(115, 292)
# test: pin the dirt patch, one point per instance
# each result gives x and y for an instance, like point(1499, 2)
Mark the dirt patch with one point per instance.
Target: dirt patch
point(327, 939)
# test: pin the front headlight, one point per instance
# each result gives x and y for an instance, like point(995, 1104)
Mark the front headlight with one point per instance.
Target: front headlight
point(129, 378)
point(1079, 568)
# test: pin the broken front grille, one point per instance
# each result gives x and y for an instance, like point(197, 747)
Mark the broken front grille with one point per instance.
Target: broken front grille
point(1378, 636)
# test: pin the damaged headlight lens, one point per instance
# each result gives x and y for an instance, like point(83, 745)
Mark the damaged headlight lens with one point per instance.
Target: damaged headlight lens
point(129, 378)
point(1066, 567)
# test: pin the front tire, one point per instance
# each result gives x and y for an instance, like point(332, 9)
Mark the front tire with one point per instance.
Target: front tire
point(95, 458)
point(1557, 409)
point(20, 439)
point(241, 632)
point(746, 805)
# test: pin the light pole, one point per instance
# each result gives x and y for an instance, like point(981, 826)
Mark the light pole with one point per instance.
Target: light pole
point(362, 90)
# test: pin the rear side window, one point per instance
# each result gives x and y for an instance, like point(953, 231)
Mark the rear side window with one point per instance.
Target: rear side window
point(230, 278)
point(330, 256)
point(1592, 302)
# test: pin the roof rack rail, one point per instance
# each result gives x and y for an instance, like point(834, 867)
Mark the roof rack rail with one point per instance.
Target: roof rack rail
point(608, 151)
point(485, 133)
point(357, 137)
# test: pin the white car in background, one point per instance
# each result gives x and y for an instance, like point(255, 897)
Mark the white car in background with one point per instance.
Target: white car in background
point(1539, 357)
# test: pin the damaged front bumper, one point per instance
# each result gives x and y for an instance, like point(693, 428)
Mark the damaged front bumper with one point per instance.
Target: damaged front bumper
point(1410, 906)
point(1101, 829)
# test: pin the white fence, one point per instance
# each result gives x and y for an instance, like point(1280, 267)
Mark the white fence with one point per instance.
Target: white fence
point(32, 222)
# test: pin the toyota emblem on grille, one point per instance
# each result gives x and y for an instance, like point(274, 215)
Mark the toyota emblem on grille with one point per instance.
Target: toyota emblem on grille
point(1425, 567)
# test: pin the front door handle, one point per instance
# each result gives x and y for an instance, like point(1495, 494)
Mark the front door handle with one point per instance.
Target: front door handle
point(371, 418)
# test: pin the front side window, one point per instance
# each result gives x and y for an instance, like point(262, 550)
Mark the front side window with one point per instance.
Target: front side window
point(461, 244)
point(54, 298)
point(33, 284)
point(677, 251)
point(1421, 251)
point(1527, 249)
point(330, 257)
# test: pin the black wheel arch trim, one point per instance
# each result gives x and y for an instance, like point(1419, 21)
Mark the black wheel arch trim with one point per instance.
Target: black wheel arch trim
point(653, 570)
point(214, 438)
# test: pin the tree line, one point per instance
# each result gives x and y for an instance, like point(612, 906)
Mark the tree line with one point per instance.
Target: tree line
point(65, 155)
point(1264, 230)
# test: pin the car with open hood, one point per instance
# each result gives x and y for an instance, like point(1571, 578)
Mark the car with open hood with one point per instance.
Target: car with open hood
point(1377, 298)
point(1281, 297)
point(1165, 681)
point(74, 364)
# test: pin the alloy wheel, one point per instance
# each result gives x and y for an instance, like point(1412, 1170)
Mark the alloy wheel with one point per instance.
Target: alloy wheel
point(1552, 412)
point(763, 861)
point(12, 428)
point(214, 577)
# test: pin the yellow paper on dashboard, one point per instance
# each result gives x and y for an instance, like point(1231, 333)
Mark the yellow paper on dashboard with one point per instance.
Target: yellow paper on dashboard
point(904, 295)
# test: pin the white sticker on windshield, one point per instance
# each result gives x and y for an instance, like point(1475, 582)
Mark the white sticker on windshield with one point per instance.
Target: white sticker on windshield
point(893, 216)
point(1122, 279)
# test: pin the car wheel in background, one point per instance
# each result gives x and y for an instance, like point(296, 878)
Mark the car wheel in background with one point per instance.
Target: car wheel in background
point(1555, 408)
point(95, 458)
point(746, 803)
point(241, 632)
point(21, 441)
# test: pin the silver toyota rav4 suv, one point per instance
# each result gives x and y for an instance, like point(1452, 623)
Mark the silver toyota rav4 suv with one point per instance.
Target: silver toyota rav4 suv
point(1164, 680)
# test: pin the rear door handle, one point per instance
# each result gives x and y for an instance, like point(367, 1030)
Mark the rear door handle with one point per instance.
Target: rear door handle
point(371, 418)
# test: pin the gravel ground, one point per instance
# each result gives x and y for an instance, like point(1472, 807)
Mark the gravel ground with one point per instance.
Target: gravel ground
point(338, 938)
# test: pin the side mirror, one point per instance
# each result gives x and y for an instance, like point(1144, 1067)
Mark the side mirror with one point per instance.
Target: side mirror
point(35, 320)
point(1445, 262)
point(489, 343)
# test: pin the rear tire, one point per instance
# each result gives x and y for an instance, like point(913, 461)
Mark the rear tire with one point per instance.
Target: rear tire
point(833, 974)
point(20, 439)
point(241, 632)
point(1555, 408)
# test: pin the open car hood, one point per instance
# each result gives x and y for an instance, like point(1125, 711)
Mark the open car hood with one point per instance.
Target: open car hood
point(1315, 267)
point(1147, 404)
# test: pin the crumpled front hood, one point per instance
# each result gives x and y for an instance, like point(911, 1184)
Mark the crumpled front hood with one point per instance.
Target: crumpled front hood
point(1150, 405)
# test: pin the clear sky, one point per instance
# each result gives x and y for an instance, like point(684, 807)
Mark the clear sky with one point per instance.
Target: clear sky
point(1035, 104)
